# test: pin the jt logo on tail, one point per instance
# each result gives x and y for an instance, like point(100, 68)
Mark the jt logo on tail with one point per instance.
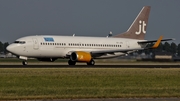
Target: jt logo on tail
point(137, 30)
point(142, 25)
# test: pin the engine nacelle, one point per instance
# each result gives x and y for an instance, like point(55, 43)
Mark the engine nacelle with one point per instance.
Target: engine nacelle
point(80, 56)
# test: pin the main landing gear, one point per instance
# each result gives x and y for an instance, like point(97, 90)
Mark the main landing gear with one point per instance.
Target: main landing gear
point(70, 62)
point(92, 62)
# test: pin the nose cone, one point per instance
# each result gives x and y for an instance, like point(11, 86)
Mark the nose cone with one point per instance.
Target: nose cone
point(10, 48)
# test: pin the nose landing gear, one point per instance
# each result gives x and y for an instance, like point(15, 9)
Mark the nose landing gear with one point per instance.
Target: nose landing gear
point(24, 63)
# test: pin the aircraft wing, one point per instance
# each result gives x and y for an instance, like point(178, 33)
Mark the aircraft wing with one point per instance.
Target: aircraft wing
point(157, 42)
point(126, 51)
point(113, 51)
point(151, 41)
point(104, 52)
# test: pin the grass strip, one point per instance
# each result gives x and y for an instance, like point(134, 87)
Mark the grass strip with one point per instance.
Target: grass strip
point(75, 83)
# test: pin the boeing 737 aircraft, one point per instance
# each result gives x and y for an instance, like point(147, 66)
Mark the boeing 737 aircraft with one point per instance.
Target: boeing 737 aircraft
point(85, 49)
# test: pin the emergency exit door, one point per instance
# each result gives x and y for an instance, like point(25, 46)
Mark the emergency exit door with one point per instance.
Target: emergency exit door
point(35, 44)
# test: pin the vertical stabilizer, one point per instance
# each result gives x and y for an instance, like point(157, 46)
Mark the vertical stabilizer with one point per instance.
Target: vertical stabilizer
point(137, 30)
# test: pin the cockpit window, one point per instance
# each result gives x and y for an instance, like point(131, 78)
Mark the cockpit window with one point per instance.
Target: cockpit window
point(20, 42)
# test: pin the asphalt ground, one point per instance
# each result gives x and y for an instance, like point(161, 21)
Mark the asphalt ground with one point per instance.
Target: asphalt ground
point(97, 65)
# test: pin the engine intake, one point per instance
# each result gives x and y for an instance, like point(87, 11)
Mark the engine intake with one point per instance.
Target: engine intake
point(80, 56)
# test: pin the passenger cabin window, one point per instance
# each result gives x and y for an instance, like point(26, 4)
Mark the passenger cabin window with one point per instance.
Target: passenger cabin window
point(75, 44)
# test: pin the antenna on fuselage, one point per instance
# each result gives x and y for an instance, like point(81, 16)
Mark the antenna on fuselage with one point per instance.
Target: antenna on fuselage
point(110, 34)
point(73, 34)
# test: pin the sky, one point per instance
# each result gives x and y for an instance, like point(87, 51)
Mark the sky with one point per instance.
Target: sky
point(19, 18)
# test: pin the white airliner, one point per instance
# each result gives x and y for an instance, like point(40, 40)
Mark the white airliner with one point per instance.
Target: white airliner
point(85, 49)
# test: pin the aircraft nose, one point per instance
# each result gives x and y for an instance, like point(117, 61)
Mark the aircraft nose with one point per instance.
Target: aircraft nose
point(9, 48)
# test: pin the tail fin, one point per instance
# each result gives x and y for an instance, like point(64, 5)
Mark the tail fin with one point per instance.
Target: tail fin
point(137, 30)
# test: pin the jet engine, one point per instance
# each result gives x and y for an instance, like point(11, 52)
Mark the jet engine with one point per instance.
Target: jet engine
point(80, 56)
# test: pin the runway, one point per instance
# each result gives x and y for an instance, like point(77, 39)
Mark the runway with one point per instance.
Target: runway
point(88, 66)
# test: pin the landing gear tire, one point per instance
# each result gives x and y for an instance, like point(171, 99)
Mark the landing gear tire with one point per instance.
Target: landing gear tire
point(24, 63)
point(70, 62)
point(92, 62)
